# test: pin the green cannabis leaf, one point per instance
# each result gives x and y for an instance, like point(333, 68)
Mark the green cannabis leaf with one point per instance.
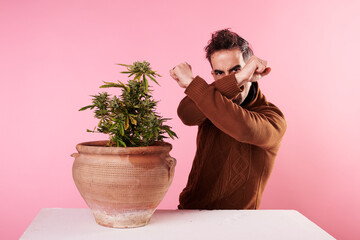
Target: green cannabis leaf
point(130, 119)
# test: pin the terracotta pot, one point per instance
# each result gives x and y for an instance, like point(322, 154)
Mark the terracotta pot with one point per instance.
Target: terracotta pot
point(123, 186)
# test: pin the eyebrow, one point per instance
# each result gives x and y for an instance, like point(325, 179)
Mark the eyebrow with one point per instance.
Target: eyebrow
point(231, 69)
point(218, 71)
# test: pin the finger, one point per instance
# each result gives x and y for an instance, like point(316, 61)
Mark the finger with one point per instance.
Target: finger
point(189, 65)
point(173, 75)
point(255, 77)
point(264, 62)
point(258, 76)
point(266, 72)
point(260, 68)
point(259, 60)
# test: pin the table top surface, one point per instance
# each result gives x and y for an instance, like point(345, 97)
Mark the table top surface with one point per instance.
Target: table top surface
point(79, 223)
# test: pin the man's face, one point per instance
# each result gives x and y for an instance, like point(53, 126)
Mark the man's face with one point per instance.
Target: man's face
point(225, 62)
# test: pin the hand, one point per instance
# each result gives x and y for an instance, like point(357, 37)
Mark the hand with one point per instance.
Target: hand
point(254, 69)
point(182, 74)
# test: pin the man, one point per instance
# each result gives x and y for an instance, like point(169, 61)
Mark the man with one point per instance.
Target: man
point(239, 131)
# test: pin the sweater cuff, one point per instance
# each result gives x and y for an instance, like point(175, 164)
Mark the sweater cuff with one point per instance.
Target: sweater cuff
point(196, 88)
point(227, 86)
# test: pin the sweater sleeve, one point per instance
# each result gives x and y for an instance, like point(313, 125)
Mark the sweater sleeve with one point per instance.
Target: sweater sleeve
point(263, 127)
point(187, 110)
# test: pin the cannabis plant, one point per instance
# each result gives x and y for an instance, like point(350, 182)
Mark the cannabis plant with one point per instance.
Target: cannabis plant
point(130, 119)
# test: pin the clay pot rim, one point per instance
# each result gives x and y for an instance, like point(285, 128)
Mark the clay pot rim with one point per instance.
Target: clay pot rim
point(98, 147)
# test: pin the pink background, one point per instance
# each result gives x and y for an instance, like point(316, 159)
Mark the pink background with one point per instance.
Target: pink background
point(54, 55)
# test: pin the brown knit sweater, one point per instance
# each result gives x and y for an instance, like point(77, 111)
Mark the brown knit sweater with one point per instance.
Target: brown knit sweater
point(236, 145)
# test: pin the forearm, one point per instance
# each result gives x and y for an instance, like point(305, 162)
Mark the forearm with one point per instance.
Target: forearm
point(262, 128)
point(191, 115)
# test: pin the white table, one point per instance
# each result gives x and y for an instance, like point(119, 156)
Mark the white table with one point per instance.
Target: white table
point(60, 223)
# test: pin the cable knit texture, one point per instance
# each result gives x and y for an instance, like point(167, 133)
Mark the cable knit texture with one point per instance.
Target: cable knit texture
point(236, 145)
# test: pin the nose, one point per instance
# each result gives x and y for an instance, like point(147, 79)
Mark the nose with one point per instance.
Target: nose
point(227, 73)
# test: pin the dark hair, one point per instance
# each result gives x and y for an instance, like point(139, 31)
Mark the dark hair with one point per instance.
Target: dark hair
point(226, 39)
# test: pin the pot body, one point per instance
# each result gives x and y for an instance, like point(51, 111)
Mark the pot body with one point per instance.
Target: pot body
point(123, 186)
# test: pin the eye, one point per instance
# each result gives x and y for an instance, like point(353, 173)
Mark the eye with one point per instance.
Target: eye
point(218, 73)
point(236, 69)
